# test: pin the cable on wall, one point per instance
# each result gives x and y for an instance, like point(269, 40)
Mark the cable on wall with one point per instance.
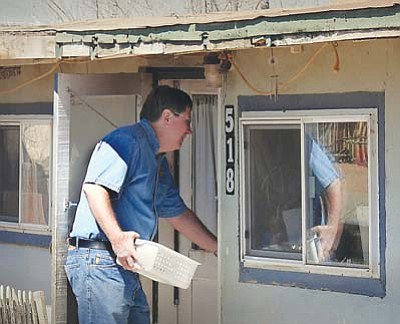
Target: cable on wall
point(285, 84)
point(24, 84)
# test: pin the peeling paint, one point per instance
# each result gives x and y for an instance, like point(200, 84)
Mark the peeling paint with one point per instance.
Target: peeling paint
point(314, 24)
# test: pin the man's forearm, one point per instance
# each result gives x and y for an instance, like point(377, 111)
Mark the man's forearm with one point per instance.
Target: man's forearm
point(334, 207)
point(190, 226)
point(122, 242)
point(333, 197)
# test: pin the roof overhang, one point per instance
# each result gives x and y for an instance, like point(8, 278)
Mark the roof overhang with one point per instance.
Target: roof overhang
point(210, 32)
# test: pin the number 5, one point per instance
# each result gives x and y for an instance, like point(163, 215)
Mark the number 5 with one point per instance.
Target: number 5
point(229, 122)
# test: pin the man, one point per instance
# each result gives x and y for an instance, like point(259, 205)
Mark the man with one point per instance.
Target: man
point(127, 186)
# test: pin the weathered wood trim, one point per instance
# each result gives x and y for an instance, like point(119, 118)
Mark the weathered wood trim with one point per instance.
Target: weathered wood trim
point(317, 22)
point(61, 130)
point(183, 37)
point(26, 46)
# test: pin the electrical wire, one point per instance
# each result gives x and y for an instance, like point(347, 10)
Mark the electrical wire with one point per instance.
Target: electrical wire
point(285, 84)
point(336, 67)
point(24, 84)
point(305, 67)
point(52, 70)
point(92, 108)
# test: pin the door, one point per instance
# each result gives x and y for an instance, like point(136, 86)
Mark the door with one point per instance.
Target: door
point(86, 107)
point(198, 187)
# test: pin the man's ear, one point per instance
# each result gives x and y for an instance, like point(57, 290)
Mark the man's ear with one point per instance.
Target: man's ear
point(166, 116)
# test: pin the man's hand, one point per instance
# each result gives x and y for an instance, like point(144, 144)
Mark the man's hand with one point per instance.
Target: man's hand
point(123, 246)
point(189, 225)
point(329, 237)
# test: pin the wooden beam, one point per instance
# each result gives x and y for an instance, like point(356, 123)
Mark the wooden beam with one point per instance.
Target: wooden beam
point(316, 22)
point(26, 46)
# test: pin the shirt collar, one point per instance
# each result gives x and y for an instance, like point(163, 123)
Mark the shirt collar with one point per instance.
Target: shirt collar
point(150, 134)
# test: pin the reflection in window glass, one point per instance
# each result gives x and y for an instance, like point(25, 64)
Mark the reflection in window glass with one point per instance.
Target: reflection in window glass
point(36, 139)
point(334, 168)
point(338, 193)
point(25, 149)
point(274, 167)
point(9, 173)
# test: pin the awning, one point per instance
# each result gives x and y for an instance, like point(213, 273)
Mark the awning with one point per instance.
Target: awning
point(207, 32)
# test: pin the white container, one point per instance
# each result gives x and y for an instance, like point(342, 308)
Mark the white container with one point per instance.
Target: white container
point(165, 265)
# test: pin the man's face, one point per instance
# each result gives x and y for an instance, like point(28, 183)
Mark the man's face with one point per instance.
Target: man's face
point(179, 129)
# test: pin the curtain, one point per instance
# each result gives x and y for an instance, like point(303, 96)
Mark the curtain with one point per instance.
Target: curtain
point(36, 141)
point(204, 119)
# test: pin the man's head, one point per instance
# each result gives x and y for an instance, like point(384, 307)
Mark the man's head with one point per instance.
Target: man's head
point(169, 112)
point(164, 97)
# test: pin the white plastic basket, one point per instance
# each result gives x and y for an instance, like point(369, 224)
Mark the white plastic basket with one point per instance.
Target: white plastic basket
point(165, 265)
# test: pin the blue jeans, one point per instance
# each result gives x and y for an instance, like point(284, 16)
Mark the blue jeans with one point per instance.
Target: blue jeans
point(105, 292)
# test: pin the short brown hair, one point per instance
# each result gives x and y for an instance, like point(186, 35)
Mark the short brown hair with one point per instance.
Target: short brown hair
point(164, 97)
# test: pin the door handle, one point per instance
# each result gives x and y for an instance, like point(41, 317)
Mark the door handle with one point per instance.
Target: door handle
point(69, 204)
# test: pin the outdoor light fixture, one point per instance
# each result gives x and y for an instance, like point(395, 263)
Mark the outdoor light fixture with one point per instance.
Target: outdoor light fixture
point(215, 64)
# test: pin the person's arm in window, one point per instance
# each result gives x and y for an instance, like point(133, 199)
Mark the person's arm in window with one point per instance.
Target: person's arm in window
point(330, 230)
point(330, 233)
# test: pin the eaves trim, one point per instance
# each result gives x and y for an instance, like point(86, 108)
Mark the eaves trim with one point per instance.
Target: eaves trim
point(244, 33)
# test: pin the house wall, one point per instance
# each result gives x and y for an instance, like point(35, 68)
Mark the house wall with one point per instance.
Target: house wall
point(22, 268)
point(30, 86)
point(29, 267)
point(364, 66)
point(33, 83)
point(24, 254)
point(24, 265)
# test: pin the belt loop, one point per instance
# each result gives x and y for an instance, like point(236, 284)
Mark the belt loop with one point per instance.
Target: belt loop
point(77, 242)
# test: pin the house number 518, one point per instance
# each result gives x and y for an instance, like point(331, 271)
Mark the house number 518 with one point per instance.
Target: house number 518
point(230, 150)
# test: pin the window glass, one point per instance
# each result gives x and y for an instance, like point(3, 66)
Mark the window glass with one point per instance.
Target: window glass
point(338, 208)
point(25, 150)
point(334, 209)
point(9, 173)
point(274, 171)
point(36, 139)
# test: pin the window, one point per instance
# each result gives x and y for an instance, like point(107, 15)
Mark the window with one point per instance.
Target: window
point(310, 192)
point(25, 160)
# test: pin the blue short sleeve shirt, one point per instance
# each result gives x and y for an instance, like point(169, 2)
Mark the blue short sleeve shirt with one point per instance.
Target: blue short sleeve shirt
point(321, 166)
point(140, 184)
point(325, 174)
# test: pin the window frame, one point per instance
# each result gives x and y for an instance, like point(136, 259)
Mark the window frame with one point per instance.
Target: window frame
point(300, 117)
point(19, 120)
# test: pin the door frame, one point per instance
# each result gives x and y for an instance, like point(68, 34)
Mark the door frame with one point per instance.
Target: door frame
point(85, 85)
point(183, 313)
